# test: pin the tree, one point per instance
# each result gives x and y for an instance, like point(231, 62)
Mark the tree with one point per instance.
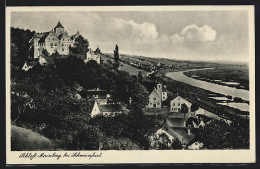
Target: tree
point(163, 142)
point(140, 77)
point(80, 46)
point(184, 109)
point(19, 40)
point(111, 143)
point(116, 57)
point(14, 51)
point(140, 97)
point(220, 135)
point(194, 107)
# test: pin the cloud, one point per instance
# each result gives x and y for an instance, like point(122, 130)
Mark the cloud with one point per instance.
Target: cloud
point(129, 28)
point(194, 33)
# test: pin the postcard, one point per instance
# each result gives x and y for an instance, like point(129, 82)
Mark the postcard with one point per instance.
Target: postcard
point(130, 84)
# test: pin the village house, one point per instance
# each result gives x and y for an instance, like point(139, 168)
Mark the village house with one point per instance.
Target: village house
point(93, 55)
point(42, 60)
point(107, 109)
point(56, 40)
point(28, 65)
point(175, 104)
point(176, 128)
point(156, 97)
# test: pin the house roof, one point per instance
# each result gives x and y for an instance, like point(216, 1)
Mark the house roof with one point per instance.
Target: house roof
point(111, 107)
point(180, 133)
point(59, 25)
point(181, 98)
point(32, 63)
point(163, 89)
point(156, 93)
point(184, 133)
point(174, 122)
point(48, 59)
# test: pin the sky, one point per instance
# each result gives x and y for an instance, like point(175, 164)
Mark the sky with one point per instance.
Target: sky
point(182, 35)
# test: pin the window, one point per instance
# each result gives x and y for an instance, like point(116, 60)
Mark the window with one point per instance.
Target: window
point(172, 108)
point(62, 49)
point(62, 45)
point(173, 104)
point(179, 104)
point(51, 44)
point(60, 31)
point(55, 44)
point(163, 97)
point(158, 103)
point(53, 39)
point(154, 98)
point(63, 39)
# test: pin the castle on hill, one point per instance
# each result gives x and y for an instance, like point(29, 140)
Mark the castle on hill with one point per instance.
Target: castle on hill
point(57, 40)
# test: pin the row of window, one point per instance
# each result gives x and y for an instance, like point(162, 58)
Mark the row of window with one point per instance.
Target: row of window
point(152, 103)
point(61, 44)
point(62, 39)
point(61, 49)
point(176, 104)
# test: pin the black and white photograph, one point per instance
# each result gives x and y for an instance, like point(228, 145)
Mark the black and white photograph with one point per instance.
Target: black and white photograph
point(92, 81)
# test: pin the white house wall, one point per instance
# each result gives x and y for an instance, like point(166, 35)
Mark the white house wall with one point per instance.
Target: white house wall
point(177, 102)
point(95, 111)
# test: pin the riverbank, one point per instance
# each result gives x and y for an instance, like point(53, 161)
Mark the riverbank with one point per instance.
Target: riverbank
point(225, 90)
point(235, 76)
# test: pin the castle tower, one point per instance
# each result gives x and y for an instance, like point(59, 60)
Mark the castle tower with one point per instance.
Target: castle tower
point(59, 29)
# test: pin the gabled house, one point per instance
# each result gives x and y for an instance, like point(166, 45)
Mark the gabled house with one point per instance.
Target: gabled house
point(176, 129)
point(156, 97)
point(27, 66)
point(93, 55)
point(175, 104)
point(155, 100)
point(107, 109)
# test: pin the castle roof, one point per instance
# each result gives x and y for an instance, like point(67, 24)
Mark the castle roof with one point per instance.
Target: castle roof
point(59, 25)
point(42, 39)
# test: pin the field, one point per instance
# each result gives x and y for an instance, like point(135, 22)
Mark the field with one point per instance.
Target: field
point(231, 75)
point(132, 70)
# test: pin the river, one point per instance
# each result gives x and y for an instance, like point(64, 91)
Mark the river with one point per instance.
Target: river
point(225, 90)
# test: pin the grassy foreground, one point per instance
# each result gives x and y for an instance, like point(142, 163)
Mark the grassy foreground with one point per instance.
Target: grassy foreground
point(24, 139)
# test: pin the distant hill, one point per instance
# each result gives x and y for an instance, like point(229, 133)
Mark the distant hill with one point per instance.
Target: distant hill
point(174, 61)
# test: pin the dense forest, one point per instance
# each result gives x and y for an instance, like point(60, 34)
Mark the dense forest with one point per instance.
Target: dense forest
point(20, 44)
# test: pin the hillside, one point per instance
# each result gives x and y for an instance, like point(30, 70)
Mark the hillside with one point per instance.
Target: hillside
point(24, 139)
